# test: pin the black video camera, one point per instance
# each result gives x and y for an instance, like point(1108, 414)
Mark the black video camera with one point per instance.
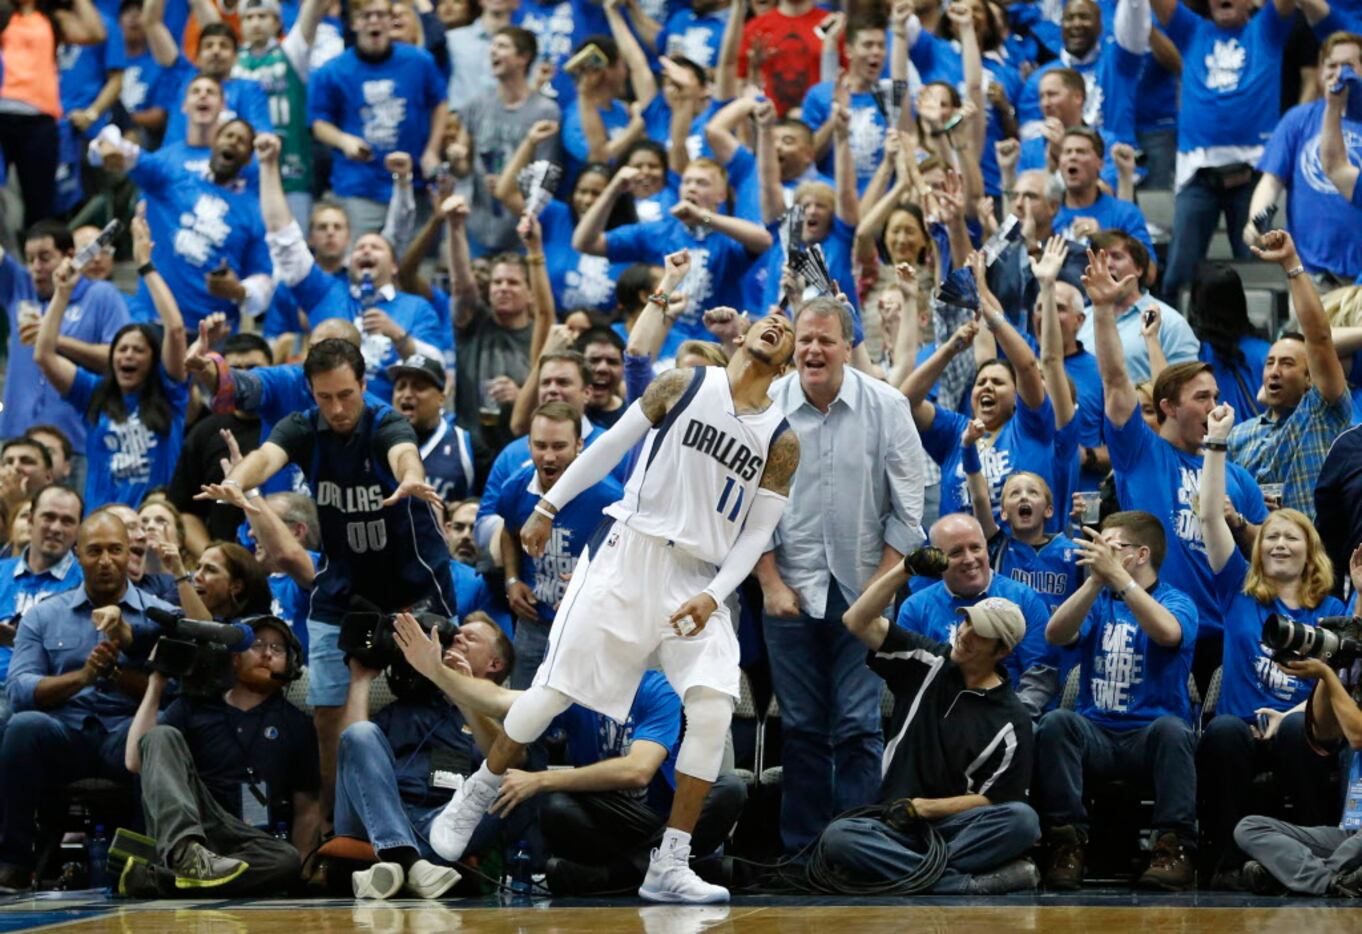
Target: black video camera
point(1334, 640)
point(198, 653)
point(370, 637)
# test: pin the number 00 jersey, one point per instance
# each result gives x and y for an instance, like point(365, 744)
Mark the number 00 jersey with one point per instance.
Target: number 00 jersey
point(700, 468)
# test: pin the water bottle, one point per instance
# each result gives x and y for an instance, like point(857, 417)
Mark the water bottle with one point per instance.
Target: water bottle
point(519, 870)
point(87, 253)
point(368, 295)
point(98, 850)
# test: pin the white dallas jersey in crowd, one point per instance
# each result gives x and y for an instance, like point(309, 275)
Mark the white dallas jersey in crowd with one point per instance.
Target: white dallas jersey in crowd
point(699, 470)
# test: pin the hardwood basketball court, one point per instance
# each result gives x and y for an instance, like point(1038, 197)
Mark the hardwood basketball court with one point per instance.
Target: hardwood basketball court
point(1085, 913)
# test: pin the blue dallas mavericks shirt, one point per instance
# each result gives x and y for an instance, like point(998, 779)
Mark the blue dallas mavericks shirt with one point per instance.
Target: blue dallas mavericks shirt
point(392, 556)
point(242, 98)
point(447, 453)
point(1156, 477)
point(1231, 79)
point(1051, 570)
point(579, 280)
point(655, 717)
point(386, 103)
point(1025, 442)
point(931, 612)
point(125, 458)
point(1110, 74)
point(323, 296)
point(1127, 681)
point(869, 122)
point(21, 589)
point(572, 528)
point(1250, 680)
point(198, 224)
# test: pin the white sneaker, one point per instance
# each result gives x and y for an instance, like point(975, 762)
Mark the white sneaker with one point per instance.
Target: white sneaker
point(427, 880)
point(670, 879)
point(453, 827)
point(381, 880)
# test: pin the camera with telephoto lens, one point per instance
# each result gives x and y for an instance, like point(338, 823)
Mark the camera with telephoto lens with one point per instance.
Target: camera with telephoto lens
point(1334, 640)
point(370, 637)
point(197, 652)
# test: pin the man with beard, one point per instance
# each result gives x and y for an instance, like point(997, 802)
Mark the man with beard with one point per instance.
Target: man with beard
point(215, 58)
point(393, 324)
point(75, 686)
point(604, 353)
point(449, 453)
point(219, 775)
point(209, 240)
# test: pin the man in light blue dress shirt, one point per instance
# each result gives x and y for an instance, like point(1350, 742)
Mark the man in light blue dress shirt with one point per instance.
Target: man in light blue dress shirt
point(74, 686)
point(855, 510)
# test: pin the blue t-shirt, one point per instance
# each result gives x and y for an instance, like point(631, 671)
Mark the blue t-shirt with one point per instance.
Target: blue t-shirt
point(1292, 154)
point(1109, 213)
point(1111, 79)
point(1228, 377)
point(718, 264)
point(125, 458)
point(21, 589)
point(579, 280)
point(1127, 680)
point(572, 529)
point(932, 612)
point(1231, 78)
point(140, 76)
point(388, 104)
point(560, 27)
point(83, 69)
point(323, 296)
point(289, 601)
point(1154, 476)
point(1081, 367)
point(869, 123)
point(1051, 571)
point(615, 116)
point(1025, 442)
point(197, 224)
point(242, 98)
point(694, 36)
point(473, 594)
point(655, 716)
point(1249, 679)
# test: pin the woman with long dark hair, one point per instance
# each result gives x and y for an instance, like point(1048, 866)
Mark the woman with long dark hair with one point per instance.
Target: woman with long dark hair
point(229, 583)
point(1218, 314)
point(30, 104)
point(136, 409)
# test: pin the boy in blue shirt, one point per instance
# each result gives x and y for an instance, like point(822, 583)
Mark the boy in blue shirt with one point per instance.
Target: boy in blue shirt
point(1231, 97)
point(1135, 636)
point(535, 587)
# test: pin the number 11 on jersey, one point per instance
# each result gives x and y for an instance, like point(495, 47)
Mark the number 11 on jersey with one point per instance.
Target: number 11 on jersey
point(730, 488)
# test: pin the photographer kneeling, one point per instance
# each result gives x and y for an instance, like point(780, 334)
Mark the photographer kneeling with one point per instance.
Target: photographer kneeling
point(396, 772)
point(220, 771)
point(959, 757)
point(1317, 860)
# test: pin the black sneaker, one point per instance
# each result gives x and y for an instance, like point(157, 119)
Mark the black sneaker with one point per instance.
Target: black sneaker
point(564, 877)
point(1256, 879)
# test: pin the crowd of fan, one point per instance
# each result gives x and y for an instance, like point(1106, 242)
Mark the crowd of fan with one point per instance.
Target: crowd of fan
point(344, 225)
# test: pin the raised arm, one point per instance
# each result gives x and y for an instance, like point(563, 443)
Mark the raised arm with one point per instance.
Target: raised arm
point(971, 61)
point(1030, 383)
point(1164, 10)
point(1120, 399)
point(81, 24)
point(865, 618)
point(164, 47)
point(640, 75)
point(60, 372)
point(726, 68)
point(1326, 371)
point(844, 167)
point(1215, 529)
point(463, 285)
point(1333, 151)
point(768, 165)
point(656, 319)
point(980, 501)
point(646, 27)
point(1046, 270)
point(924, 377)
point(173, 344)
point(143, 722)
point(753, 237)
point(274, 210)
point(873, 221)
point(683, 114)
point(589, 234)
point(721, 128)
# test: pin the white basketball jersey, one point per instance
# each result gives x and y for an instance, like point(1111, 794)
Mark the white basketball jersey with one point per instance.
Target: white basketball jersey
point(699, 470)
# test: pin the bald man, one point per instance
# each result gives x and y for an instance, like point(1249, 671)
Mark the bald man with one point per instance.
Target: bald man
point(75, 684)
point(931, 610)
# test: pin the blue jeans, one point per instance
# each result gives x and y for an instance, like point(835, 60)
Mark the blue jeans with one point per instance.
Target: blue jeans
point(1196, 211)
point(370, 807)
point(977, 841)
point(531, 642)
point(1070, 748)
point(1160, 156)
point(38, 757)
point(830, 720)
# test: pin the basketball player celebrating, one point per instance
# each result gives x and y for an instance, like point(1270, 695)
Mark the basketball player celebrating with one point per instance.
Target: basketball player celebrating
point(699, 509)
